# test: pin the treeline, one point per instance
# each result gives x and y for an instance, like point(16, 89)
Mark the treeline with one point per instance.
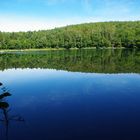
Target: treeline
point(103, 34)
point(85, 60)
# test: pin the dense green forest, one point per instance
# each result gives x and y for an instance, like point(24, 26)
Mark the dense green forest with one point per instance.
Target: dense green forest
point(103, 34)
point(85, 60)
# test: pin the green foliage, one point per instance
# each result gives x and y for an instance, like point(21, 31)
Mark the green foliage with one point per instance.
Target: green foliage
point(103, 34)
point(85, 60)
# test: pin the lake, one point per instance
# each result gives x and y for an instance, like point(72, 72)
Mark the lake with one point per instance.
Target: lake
point(70, 95)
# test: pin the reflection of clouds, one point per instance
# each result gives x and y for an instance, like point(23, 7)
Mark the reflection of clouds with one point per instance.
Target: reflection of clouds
point(34, 88)
point(22, 76)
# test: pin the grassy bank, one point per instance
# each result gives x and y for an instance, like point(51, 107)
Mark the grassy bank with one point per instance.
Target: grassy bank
point(52, 49)
point(21, 50)
point(45, 49)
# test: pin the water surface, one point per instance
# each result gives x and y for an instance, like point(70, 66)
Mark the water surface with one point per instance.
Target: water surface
point(72, 95)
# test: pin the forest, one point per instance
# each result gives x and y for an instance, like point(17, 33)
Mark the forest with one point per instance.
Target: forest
point(98, 35)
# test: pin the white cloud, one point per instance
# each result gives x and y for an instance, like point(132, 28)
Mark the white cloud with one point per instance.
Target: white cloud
point(15, 24)
point(109, 8)
point(10, 23)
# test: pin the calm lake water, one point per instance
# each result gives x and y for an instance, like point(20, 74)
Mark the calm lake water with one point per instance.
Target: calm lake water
point(71, 95)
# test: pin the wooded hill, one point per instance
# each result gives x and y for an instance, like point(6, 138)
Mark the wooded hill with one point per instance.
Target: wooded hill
point(102, 34)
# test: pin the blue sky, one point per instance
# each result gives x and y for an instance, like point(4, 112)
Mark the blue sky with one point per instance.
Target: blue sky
point(24, 15)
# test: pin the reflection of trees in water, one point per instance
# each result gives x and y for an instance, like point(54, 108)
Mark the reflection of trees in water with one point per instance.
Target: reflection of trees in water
point(90, 60)
point(4, 106)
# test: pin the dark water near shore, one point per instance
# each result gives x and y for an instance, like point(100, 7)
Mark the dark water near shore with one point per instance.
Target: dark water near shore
point(71, 95)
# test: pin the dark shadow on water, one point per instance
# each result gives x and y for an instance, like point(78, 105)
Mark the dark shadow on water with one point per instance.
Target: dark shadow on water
point(5, 108)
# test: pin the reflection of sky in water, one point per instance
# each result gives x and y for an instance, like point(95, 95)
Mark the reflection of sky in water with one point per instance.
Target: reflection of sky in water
point(40, 85)
point(70, 99)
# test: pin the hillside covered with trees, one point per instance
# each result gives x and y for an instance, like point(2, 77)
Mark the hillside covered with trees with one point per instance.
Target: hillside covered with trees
point(103, 34)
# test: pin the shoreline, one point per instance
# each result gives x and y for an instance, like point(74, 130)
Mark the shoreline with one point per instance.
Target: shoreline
point(54, 49)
